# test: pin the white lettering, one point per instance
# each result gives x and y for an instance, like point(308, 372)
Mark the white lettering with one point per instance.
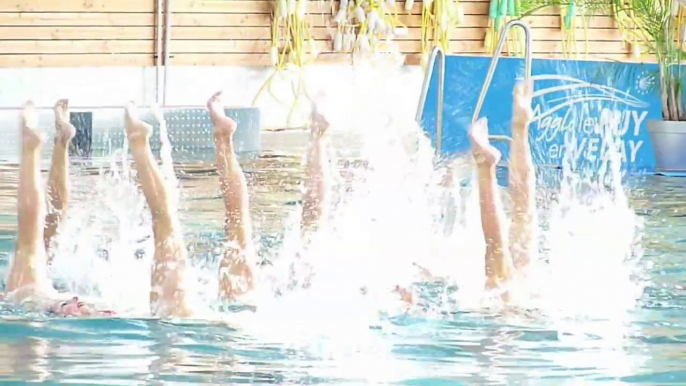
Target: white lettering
point(589, 125)
point(626, 120)
point(590, 131)
point(578, 150)
point(637, 121)
point(634, 149)
point(592, 148)
point(622, 150)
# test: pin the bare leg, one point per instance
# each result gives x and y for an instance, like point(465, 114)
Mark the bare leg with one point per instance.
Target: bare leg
point(317, 180)
point(58, 190)
point(236, 268)
point(29, 268)
point(522, 180)
point(498, 260)
point(168, 296)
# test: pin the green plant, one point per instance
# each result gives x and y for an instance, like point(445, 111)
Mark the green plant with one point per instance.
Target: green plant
point(657, 25)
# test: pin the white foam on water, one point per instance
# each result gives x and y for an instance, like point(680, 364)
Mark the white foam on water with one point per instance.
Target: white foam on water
point(104, 247)
point(391, 219)
point(586, 281)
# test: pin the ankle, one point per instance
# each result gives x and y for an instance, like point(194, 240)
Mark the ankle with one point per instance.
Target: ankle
point(62, 141)
point(520, 126)
point(31, 144)
point(138, 143)
point(486, 167)
point(223, 138)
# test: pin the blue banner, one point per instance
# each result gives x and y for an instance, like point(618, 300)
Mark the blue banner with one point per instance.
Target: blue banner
point(582, 109)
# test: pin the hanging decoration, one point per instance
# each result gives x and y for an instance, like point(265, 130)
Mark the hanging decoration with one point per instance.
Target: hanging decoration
point(292, 49)
point(438, 18)
point(500, 12)
point(568, 27)
point(366, 26)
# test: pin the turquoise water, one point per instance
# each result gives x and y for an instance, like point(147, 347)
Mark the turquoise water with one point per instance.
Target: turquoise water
point(646, 345)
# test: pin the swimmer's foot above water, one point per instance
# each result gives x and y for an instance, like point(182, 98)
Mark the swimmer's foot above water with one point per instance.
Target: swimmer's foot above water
point(522, 113)
point(484, 153)
point(137, 131)
point(65, 130)
point(31, 134)
point(224, 126)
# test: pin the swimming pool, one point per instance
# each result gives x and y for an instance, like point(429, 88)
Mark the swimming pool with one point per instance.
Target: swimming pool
point(337, 341)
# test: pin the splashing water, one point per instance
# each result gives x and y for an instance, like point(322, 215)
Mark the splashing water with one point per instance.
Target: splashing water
point(589, 268)
point(391, 217)
point(107, 252)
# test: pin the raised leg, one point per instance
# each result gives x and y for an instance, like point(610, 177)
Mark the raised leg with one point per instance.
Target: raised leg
point(168, 296)
point(317, 179)
point(236, 268)
point(522, 180)
point(58, 188)
point(29, 267)
point(498, 259)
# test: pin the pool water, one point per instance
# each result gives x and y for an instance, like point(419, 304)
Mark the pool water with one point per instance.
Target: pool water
point(438, 346)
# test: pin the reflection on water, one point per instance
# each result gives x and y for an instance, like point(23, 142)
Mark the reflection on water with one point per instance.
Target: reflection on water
point(452, 346)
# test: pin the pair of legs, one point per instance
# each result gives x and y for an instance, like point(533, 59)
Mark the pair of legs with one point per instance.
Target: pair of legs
point(505, 255)
point(236, 267)
point(169, 295)
point(36, 225)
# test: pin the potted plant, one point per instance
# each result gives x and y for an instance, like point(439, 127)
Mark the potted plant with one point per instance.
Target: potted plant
point(659, 24)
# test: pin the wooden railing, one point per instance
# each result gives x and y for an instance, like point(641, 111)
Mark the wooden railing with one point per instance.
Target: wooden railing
point(54, 33)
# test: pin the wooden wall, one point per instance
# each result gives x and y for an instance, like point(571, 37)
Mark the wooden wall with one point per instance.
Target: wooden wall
point(53, 33)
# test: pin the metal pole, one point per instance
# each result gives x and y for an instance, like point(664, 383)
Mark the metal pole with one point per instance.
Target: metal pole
point(103, 107)
point(158, 50)
point(167, 38)
point(437, 51)
point(496, 56)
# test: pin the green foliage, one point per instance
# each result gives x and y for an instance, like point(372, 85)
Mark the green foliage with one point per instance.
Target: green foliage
point(654, 24)
point(586, 8)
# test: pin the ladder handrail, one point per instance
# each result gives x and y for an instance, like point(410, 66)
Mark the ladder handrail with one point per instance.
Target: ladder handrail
point(437, 51)
point(496, 56)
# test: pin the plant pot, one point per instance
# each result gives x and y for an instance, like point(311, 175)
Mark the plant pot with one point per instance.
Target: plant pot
point(669, 143)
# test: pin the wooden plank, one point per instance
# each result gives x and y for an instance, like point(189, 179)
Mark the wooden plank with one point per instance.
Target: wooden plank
point(77, 5)
point(540, 47)
point(76, 33)
point(78, 60)
point(414, 33)
point(227, 19)
point(253, 20)
point(97, 19)
point(456, 46)
point(250, 59)
point(313, 7)
point(77, 47)
point(410, 59)
point(98, 60)
point(248, 33)
point(199, 6)
point(211, 6)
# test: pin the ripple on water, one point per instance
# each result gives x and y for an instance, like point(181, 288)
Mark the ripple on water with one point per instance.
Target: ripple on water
point(448, 346)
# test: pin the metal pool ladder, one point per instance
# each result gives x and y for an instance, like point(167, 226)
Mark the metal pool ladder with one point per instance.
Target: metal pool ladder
point(496, 56)
point(438, 53)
